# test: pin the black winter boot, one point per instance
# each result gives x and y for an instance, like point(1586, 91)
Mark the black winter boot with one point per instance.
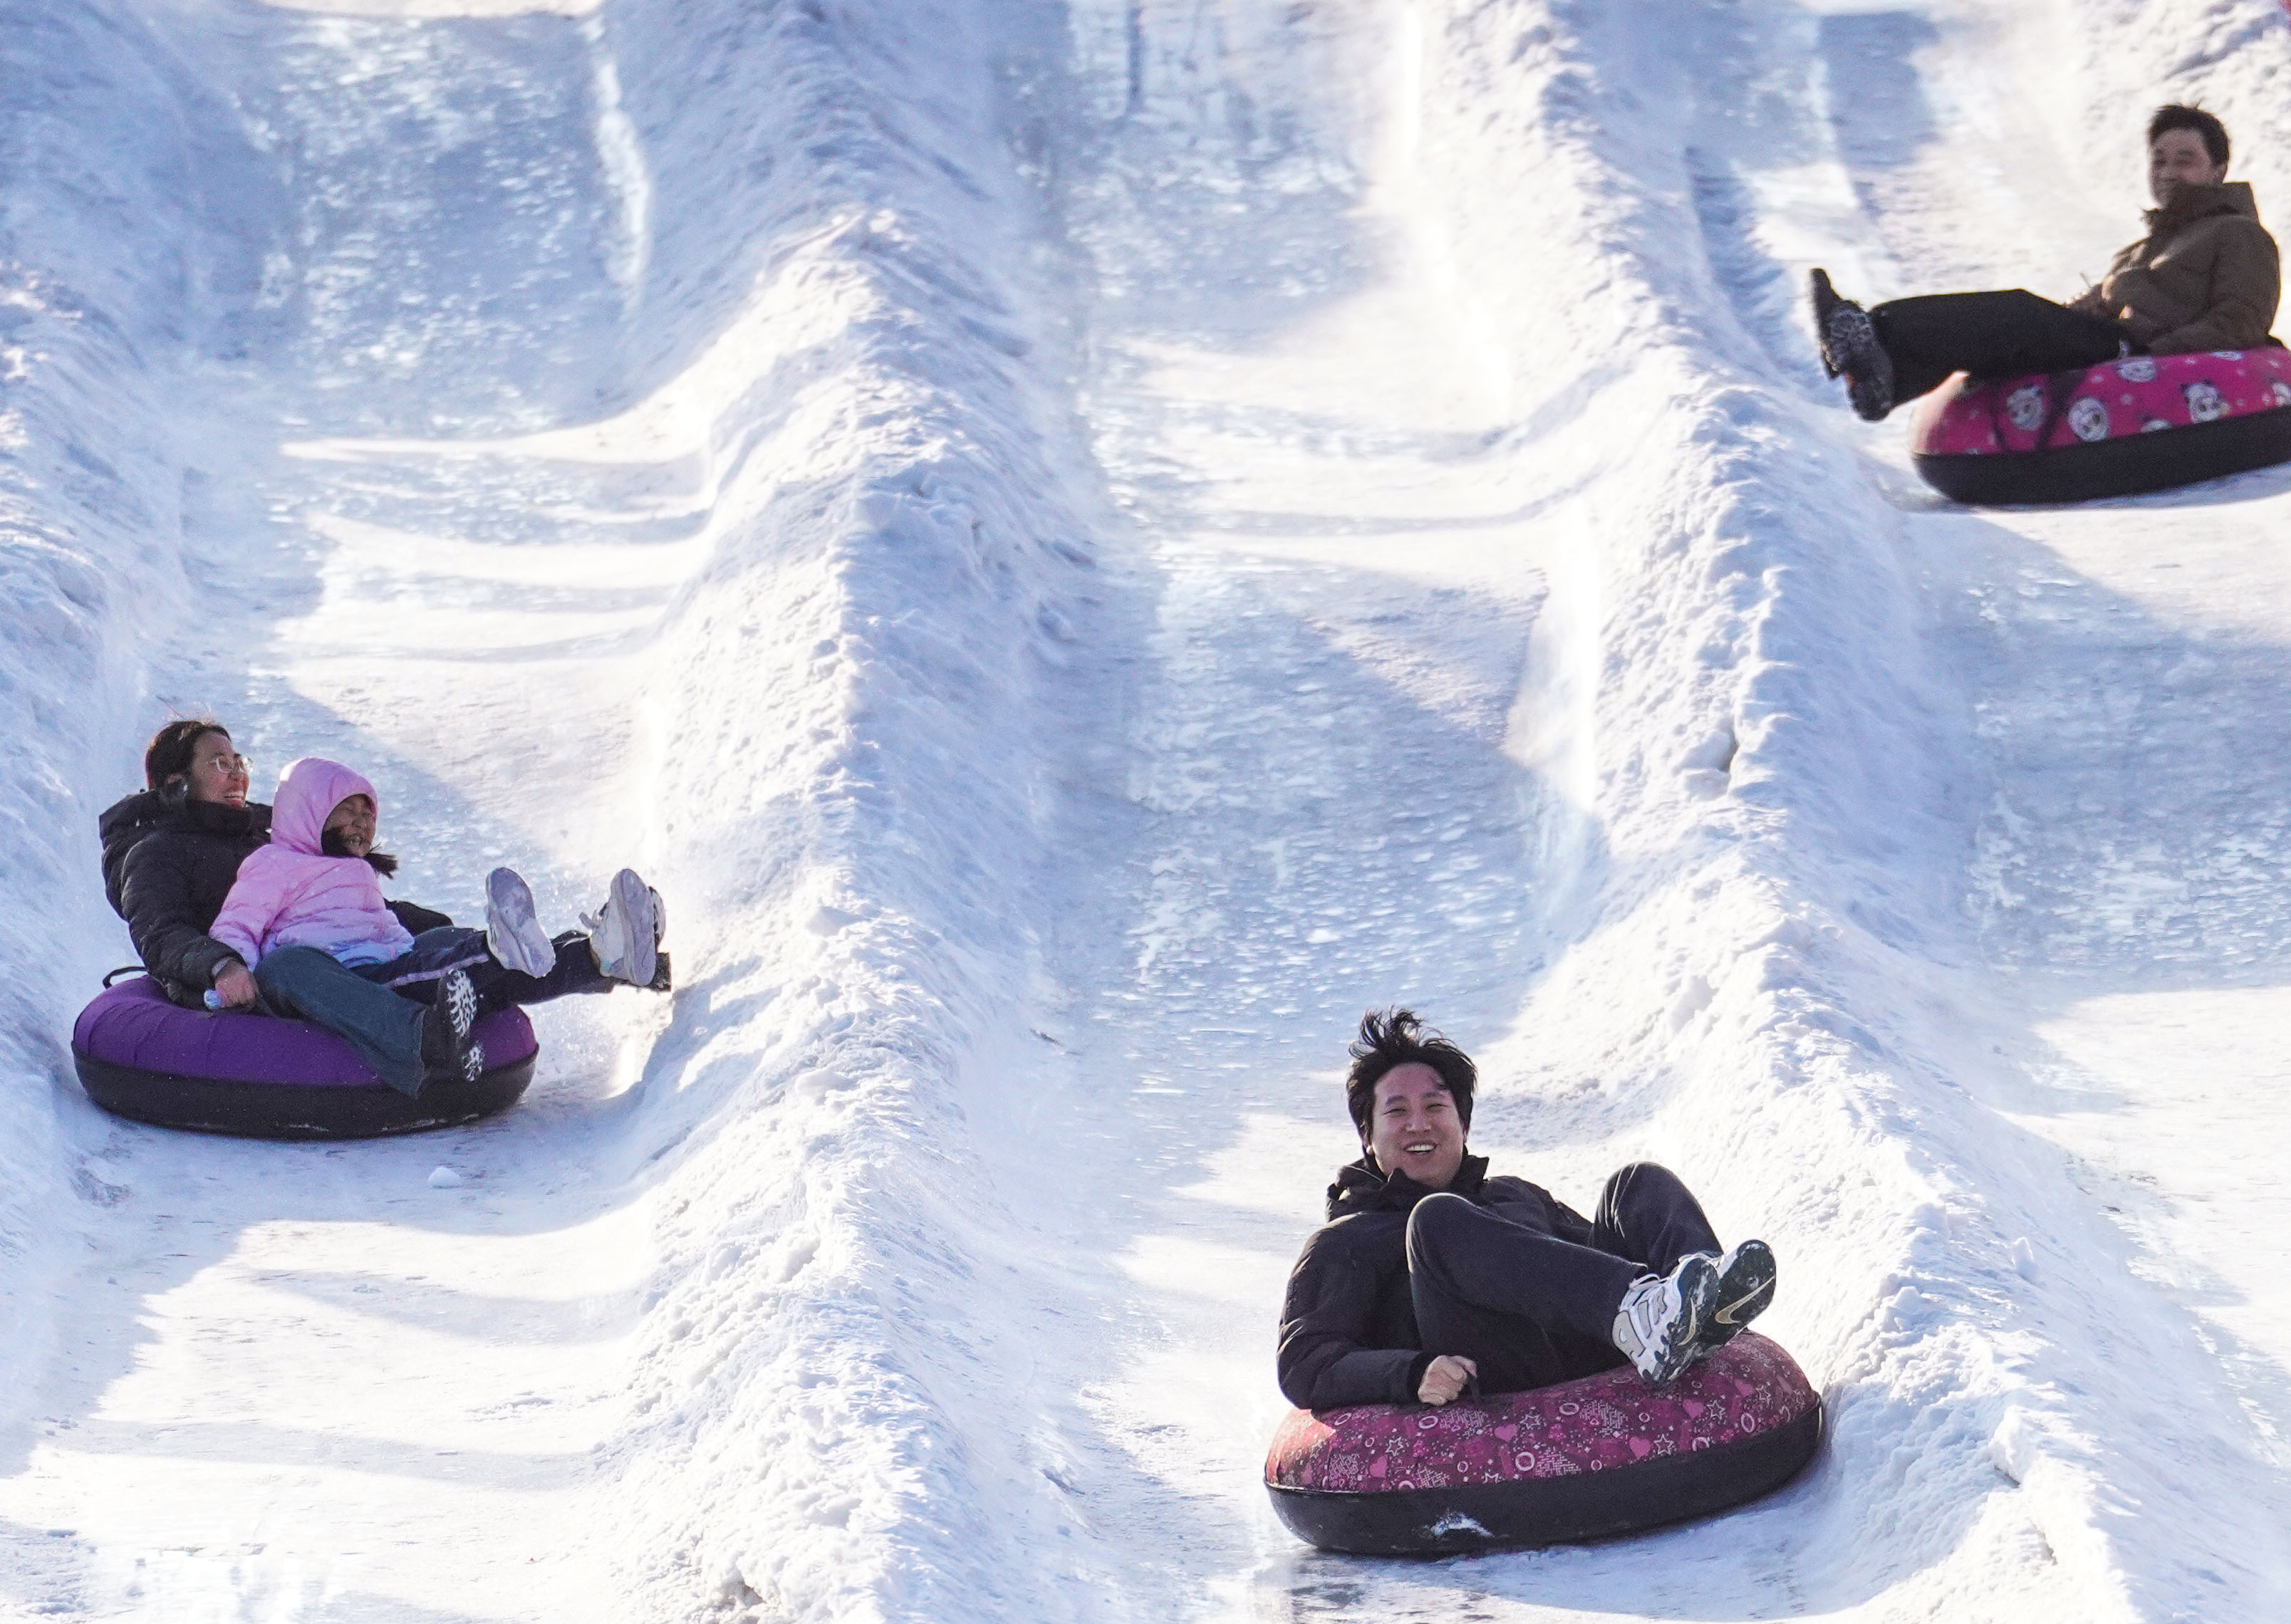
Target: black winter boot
point(1850, 350)
point(446, 1047)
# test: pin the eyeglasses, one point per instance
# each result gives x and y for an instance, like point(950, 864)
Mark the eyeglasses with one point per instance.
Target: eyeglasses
point(232, 766)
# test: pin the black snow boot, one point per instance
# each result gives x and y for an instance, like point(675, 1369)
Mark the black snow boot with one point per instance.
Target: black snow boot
point(446, 1047)
point(1850, 350)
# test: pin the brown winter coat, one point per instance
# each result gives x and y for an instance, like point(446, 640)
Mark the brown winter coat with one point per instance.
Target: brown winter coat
point(2206, 277)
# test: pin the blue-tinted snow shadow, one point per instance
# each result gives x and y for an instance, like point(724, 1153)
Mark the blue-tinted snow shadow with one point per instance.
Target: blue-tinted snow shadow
point(1877, 106)
point(42, 1571)
point(2136, 804)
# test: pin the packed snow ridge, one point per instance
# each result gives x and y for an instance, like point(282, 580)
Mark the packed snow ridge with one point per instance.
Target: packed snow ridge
point(1080, 546)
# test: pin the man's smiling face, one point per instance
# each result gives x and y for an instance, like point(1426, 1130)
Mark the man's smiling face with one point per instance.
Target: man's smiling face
point(1413, 1128)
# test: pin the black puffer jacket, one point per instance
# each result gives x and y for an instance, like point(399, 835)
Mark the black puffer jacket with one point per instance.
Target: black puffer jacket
point(168, 863)
point(1348, 1328)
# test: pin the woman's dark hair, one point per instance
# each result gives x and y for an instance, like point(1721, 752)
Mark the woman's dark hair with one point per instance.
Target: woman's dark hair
point(1395, 1037)
point(381, 862)
point(2178, 117)
point(169, 754)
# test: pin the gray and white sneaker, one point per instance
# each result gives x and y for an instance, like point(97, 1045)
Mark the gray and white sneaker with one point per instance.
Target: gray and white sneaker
point(625, 933)
point(513, 936)
point(1746, 1289)
point(1661, 1315)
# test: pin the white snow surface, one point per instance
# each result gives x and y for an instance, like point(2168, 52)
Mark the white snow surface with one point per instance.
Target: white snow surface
point(1080, 546)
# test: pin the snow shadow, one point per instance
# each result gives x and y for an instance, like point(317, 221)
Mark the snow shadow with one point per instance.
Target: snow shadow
point(1779, 91)
point(1878, 104)
point(2136, 810)
point(431, 262)
point(42, 1573)
point(527, 1172)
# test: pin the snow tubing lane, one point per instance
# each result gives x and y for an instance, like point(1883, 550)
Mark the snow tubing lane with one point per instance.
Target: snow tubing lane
point(2141, 423)
point(142, 1056)
point(1586, 1460)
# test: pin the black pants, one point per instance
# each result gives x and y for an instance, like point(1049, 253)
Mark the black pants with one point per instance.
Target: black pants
point(1529, 1306)
point(457, 948)
point(1990, 336)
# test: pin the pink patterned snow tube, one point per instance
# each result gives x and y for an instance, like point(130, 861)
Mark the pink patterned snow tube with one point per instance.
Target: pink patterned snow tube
point(2141, 423)
point(1583, 1460)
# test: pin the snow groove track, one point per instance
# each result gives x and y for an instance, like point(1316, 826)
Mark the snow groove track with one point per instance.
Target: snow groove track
point(1082, 544)
point(600, 533)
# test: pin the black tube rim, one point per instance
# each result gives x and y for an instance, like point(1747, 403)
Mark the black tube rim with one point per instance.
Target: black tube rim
point(1527, 1513)
point(2128, 465)
point(290, 1111)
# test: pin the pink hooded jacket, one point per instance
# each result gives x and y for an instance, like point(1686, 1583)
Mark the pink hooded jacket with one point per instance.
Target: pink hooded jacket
point(290, 894)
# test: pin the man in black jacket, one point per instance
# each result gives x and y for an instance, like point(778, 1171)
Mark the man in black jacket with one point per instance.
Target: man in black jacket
point(1432, 1279)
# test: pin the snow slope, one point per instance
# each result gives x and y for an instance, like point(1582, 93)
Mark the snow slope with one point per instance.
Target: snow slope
point(1082, 545)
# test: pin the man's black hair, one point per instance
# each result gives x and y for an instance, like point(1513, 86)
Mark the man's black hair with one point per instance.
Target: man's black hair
point(2178, 117)
point(1395, 1037)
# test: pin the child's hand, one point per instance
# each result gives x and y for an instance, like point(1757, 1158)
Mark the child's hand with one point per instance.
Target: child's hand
point(235, 986)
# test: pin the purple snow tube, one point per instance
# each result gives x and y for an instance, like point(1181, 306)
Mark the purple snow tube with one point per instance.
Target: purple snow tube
point(140, 1056)
point(1585, 1459)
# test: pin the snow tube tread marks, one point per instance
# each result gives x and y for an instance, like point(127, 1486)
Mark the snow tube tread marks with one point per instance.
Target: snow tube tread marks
point(140, 1056)
point(1586, 1460)
point(2141, 423)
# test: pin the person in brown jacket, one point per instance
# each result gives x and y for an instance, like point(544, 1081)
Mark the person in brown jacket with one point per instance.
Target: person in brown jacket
point(2205, 277)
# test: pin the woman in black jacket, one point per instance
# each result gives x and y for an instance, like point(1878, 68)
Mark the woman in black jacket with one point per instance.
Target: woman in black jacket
point(171, 851)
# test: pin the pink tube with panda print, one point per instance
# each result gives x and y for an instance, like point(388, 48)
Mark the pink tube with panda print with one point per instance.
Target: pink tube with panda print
point(2140, 423)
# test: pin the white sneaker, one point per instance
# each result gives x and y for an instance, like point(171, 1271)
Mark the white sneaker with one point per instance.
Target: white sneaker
point(513, 936)
point(625, 933)
point(1660, 1317)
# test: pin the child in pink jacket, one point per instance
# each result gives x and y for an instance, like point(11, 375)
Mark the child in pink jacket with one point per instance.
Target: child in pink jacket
point(295, 893)
point(306, 915)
